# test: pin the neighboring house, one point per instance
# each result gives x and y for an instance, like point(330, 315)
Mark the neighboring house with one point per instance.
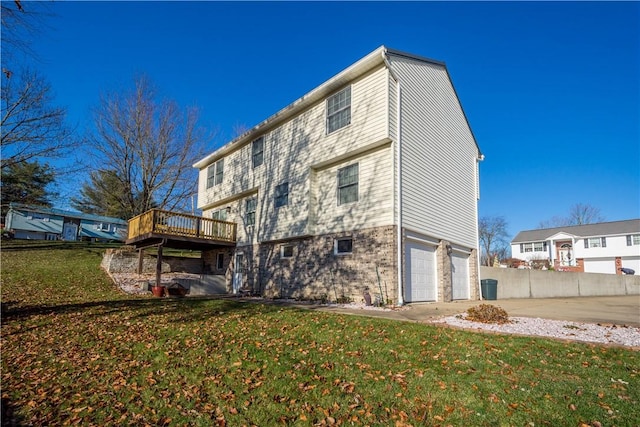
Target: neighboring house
point(368, 181)
point(592, 248)
point(41, 223)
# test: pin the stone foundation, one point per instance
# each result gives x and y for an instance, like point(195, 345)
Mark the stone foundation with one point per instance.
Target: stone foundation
point(314, 271)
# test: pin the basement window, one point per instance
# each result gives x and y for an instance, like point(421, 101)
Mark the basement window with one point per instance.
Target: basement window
point(286, 251)
point(343, 246)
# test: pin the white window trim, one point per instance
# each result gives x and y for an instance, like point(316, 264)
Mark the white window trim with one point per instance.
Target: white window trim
point(335, 246)
point(356, 184)
point(328, 131)
point(254, 153)
point(282, 255)
point(276, 195)
point(247, 211)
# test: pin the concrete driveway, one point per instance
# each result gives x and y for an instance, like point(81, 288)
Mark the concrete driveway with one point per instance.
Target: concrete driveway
point(619, 310)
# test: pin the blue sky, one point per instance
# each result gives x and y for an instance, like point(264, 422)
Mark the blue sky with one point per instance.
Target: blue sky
point(551, 89)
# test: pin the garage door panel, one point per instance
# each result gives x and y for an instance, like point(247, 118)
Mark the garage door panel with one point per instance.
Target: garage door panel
point(421, 273)
point(460, 276)
point(607, 266)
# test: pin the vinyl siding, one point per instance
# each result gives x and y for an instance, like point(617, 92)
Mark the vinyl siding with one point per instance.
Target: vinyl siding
point(291, 151)
point(438, 155)
point(374, 207)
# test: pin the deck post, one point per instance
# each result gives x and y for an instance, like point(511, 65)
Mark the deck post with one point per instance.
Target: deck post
point(159, 266)
point(140, 260)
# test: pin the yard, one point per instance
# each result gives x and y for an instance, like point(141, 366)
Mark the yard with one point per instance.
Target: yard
point(75, 350)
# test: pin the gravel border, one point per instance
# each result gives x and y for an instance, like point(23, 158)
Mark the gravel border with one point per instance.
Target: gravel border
point(627, 336)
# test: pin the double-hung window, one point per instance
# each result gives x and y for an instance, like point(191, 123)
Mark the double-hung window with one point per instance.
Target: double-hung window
point(282, 194)
point(348, 184)
point(257, 152)
point(339, 110)
point(633, 239)
point(215, 173)
point(595, 242)
point(250, 214)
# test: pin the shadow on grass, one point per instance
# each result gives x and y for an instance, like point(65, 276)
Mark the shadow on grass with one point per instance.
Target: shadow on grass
point(9, 417)
point(178, 310)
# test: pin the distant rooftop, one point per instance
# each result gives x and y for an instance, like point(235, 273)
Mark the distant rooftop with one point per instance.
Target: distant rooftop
point(66, 213)
point(630, 226)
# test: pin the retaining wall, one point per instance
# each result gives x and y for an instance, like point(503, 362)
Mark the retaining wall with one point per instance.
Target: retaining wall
point(124, 261)
point(515, 283)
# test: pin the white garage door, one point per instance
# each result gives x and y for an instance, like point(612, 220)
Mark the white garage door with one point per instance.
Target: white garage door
point(632, 262)
point(460, 275)
point(600, 266)
point(421, 272)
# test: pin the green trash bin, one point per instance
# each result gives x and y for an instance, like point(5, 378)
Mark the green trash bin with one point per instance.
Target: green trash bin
point(489, 289)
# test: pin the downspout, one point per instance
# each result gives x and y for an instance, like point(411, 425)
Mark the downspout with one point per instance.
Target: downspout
point(398, 179)
point(479, 282)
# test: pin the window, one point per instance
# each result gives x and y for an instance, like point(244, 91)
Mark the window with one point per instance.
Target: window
point(633, 240)
point(220, 261)
point(220, 214)
point(348, 184)
point(282, 194)
point(257, 151)
point(339, 110)
point(533, 247)
point(250, 215)
point(595, 242)
point(286, 251)
point(343, 246)
point(215, 173)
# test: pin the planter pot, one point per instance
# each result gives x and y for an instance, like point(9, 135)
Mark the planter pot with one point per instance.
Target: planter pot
point(158, 290)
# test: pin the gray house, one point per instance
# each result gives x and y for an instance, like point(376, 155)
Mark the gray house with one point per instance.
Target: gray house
point(41, 223)
point(369, 182)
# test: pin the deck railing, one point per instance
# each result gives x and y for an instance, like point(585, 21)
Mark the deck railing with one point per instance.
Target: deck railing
point(157, 221)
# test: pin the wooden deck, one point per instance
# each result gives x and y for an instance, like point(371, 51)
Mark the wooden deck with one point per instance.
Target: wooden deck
point(181, 231)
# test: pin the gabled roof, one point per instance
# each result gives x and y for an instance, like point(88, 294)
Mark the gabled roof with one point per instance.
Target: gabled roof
point(374, 59)
point(614, 228)
point(63, 213)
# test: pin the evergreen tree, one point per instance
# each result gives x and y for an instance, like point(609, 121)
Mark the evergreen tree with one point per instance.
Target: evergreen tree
point(27, 182)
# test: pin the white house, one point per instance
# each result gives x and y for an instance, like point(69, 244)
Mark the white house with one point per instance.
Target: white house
point(592, 248)
point(42, 223)
point(367, 183)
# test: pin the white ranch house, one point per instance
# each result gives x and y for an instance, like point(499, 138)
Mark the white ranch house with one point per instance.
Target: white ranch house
point(369, 182)
point(606, 247)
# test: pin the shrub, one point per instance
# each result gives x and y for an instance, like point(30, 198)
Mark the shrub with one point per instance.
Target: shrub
point(487, 313)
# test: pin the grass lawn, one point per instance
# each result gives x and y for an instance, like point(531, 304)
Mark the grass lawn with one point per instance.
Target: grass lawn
point(75, 350)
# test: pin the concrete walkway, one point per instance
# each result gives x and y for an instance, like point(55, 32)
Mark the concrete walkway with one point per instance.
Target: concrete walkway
point(619, 310)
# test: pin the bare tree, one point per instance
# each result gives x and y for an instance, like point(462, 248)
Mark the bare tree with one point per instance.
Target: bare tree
point(579, 214)
point(150, 146)
point(493, 237)
point(19, 24)
point(31, 127)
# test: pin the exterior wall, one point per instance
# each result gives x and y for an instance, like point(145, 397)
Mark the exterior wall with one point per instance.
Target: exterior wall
point(315, 272)
point(616, 246)
point(294, 149)
point(374, 207)
point(529, 256)
point(439, 155)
